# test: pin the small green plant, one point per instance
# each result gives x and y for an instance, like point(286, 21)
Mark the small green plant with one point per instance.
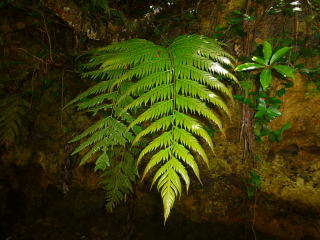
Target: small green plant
point(267, 63)
point(266, 106)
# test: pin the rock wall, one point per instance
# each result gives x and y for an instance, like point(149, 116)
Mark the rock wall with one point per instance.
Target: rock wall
point(40, 179)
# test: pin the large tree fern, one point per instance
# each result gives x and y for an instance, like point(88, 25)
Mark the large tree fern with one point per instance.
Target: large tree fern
point(174, 90)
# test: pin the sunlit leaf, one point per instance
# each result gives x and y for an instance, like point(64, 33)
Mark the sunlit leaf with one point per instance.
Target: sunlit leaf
point(248, 66)
point(284, 70)
point(267, 51)
point(278, 54)
point(258, 60)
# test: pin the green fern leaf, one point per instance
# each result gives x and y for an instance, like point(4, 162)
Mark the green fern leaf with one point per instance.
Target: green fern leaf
point(98, 88)
point(157, 110)
point(162, 155)
point(161, 124)
point(171, 88)
point(13, 110)
point(117, 181)
point(194, 89)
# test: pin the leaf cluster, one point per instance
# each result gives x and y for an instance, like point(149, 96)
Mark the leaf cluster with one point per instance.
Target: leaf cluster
point(266, 106)
point(268, 62)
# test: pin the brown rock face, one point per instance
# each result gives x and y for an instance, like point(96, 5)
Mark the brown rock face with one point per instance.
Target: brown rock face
point(288, 202)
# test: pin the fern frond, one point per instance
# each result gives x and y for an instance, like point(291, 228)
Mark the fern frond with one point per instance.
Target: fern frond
point(171, 88)
point(103, 161)
point(95, 137)
point(132, 58)
point(144, 69)
point(117, 181)
point(93, 128)
point(146, 83)
point(159, 93)
point(13, 114)
point(94, 149)
point(161, 156)
point(217, 68)
point(102, 134)
point(169, 183)
point(93, 102)
point(201, 45)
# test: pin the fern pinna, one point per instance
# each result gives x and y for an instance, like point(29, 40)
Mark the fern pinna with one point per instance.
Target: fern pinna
point(171, 89)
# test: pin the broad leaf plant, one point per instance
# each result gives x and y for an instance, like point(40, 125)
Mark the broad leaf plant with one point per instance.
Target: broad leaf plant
point(266, 106)
point(268, 63)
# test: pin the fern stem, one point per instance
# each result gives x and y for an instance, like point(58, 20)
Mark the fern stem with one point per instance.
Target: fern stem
point(173, 93)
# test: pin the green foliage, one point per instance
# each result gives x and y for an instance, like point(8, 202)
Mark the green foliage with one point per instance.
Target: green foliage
point(103, 137)
point(172, 90)
point(266, 106)
point(254, 183)
point(13, 112)
point(99, 137)
point(267, 64)
point(117, 180)
point(234, 25)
